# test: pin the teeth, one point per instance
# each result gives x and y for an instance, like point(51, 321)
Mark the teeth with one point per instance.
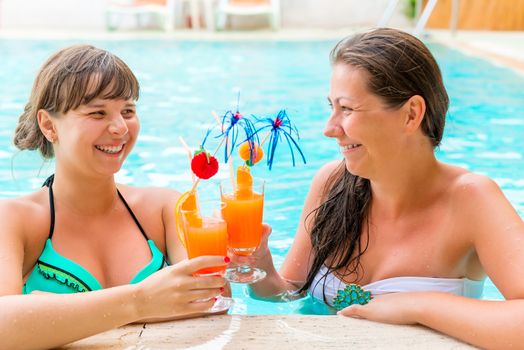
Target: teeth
point(350, 146)
point(110, 149)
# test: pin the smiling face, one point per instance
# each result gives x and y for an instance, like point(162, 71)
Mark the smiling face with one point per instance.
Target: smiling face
point(369, 133)
point(72, 80)
point(95, 138)
point(84, 103)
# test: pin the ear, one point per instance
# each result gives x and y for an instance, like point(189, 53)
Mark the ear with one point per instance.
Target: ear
point(415, 111)
point(46, 124)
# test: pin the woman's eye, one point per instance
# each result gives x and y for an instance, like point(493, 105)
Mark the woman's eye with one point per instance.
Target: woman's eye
point(128, 113)
point(347, 109)
point(97, 114)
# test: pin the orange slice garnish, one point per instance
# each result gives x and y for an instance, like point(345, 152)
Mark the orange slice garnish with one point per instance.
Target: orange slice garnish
point(186, 205)
point(244, 188)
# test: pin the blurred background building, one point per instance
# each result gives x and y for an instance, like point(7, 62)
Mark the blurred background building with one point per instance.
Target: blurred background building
point(92, 14)
point(101, 15)
point(479, 14)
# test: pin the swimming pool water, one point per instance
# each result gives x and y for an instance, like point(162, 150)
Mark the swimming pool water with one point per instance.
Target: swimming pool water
point(183, 81)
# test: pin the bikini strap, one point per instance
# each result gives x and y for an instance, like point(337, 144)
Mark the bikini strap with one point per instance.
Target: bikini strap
point(132, 215)
point(49, 183)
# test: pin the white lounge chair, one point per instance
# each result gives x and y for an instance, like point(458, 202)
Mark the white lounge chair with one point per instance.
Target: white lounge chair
point(118, 9)
point(271, 8)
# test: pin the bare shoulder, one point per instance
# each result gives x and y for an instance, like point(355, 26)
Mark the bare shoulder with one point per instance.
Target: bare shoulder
point(479, 204)
point(483, 214)
point(15, 212)
point(150, 202)
point(11, 213)
point(321, 179)
point(149, 196)
point(469, 187)
point(325, 172)
point(153, 207)
point(328, 169)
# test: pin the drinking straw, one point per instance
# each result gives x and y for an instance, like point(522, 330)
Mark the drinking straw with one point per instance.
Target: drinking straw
point(230, 161)
point(189, 155)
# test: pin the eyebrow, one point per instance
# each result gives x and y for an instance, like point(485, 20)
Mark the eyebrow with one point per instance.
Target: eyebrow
point(102, 105)
point(340, 98)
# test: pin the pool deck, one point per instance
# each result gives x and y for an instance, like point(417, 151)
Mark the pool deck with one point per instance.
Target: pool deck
point(261, 332)
point(500, 48)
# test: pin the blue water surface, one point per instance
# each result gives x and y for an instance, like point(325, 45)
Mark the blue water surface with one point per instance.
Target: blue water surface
point(183, 81)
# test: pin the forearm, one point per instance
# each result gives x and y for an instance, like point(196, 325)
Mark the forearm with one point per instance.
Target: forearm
point(50, 320)
point(487, 324)
point(273, 286)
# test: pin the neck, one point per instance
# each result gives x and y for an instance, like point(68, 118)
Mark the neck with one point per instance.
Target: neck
point(406, 185)
point(84, 195)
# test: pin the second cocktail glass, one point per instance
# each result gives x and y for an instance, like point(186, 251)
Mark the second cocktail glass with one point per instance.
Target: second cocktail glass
point(243, 212)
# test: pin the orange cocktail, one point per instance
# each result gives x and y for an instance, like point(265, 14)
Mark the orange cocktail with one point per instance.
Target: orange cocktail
point(206, 236)
point(243, 212)
point(204, 233)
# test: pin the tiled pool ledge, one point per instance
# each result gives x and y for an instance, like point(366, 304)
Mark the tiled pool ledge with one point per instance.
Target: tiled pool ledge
point(263, 332)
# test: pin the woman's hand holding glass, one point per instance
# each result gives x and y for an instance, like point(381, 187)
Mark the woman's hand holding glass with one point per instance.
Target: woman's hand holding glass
point(175, 291)
point(262, 256)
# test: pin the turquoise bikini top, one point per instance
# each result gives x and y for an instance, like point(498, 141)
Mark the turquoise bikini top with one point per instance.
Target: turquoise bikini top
point(57, 274)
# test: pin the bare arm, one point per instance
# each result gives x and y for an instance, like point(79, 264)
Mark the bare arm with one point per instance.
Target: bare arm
point(294, 271)
point(49, 320)
point(498, 236)
point(484, 323)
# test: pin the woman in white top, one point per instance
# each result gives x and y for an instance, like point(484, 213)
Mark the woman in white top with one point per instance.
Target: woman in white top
point(418, 234)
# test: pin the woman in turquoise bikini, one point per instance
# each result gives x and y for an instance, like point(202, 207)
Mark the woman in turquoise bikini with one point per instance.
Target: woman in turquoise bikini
point(389, 233)
point(83, 254)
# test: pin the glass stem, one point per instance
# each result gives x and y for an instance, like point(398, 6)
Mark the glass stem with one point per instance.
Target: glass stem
point(243, 269)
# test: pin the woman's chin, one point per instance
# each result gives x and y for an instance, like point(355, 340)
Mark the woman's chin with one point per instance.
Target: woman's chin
point(109, 171)
point(354, 169)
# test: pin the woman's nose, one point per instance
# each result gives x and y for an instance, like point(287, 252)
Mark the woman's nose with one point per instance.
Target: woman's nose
point(118, 125)
point(332, 128)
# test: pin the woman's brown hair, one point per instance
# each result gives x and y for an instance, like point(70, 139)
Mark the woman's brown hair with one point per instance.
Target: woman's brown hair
point(399, 66)
point(71, 77)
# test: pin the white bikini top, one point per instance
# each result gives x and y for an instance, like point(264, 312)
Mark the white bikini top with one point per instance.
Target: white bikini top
point(458, 286)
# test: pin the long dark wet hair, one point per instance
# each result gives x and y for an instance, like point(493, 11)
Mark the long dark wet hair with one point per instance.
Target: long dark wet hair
point(399, 66)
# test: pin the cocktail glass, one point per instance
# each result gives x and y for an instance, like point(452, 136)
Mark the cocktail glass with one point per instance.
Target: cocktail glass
point(243, 212)
point(205, 233)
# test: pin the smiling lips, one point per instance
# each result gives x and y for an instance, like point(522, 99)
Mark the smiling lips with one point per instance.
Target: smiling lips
point(110, 149)
point(350, 147)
